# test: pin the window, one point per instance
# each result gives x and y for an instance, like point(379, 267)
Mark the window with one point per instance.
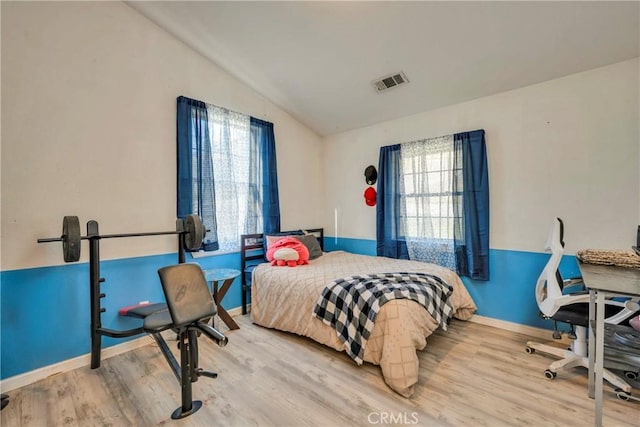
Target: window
point(433, 202)
point(231, 156)
point(427, 193)
point(226, 173)
point(426, 200)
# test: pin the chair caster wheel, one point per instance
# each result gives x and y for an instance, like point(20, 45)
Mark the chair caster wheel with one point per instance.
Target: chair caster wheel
point(550, 374)
point(631, 375)
point(530, 350)
point(623, 395)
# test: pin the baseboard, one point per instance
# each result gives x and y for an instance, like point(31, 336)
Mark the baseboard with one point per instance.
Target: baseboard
point(238, 311)
point(31, 377)
point(540, 333)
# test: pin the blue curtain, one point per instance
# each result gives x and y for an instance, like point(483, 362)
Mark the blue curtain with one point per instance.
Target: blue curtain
point(472, 238)
point(471, 210)
point(262, 137)
point(389, 236)
point(196, 189)
point(196, 184)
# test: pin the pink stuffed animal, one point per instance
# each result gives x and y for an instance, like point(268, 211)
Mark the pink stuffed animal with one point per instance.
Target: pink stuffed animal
point(281, 252)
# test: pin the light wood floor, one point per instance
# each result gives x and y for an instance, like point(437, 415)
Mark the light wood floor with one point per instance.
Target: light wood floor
point(473, 375)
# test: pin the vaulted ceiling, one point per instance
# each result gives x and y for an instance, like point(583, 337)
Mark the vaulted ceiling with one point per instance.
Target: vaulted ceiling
point(317, 60)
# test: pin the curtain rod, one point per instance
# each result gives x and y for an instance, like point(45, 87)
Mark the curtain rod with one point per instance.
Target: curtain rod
point(224, 108)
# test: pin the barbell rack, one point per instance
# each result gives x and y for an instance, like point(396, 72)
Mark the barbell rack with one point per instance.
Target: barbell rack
point(191, 228)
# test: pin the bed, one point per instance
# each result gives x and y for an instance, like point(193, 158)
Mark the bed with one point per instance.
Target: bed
point(283, 298)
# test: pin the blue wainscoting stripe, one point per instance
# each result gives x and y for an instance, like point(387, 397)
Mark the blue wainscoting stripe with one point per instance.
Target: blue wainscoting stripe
point(45, 315)
point(45, 311)
point(509, 295)
point(356, 246)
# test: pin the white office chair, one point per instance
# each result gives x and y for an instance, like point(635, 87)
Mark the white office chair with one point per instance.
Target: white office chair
point(573, 308)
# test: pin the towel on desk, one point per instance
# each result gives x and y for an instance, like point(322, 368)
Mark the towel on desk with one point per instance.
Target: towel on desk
point(608, 257)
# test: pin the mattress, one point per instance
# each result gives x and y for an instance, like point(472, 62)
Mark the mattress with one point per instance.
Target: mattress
point(283, 298)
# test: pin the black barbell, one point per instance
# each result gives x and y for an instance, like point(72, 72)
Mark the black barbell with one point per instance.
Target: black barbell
point(191, 227)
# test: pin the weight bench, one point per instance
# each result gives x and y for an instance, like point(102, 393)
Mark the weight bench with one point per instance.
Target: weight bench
point(189, 305)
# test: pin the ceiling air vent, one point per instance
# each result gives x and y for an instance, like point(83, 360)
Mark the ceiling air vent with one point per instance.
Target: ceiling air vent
point(392, 80)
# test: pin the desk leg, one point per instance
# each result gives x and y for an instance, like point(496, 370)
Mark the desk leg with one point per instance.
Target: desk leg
point(592, 341)
point(599, 362)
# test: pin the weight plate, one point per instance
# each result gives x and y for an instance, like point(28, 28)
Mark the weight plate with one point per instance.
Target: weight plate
point(71, 238)
point(195, 232)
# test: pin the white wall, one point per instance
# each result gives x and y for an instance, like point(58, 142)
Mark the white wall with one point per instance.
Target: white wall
point(88, 128)
point(566, 147)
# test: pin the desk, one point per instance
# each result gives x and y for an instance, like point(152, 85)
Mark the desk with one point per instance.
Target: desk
point(603, 281)
point(226, 276)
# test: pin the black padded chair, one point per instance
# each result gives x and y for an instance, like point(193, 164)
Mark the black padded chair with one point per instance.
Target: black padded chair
point(189, 306)
point(573, 308)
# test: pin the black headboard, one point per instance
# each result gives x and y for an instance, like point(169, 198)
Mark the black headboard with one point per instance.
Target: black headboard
point(252, 253)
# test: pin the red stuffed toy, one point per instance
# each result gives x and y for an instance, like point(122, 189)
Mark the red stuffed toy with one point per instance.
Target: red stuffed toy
point(288, 251)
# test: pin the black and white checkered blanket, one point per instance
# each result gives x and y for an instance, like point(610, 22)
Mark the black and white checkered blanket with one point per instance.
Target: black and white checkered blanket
point(351, 304)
